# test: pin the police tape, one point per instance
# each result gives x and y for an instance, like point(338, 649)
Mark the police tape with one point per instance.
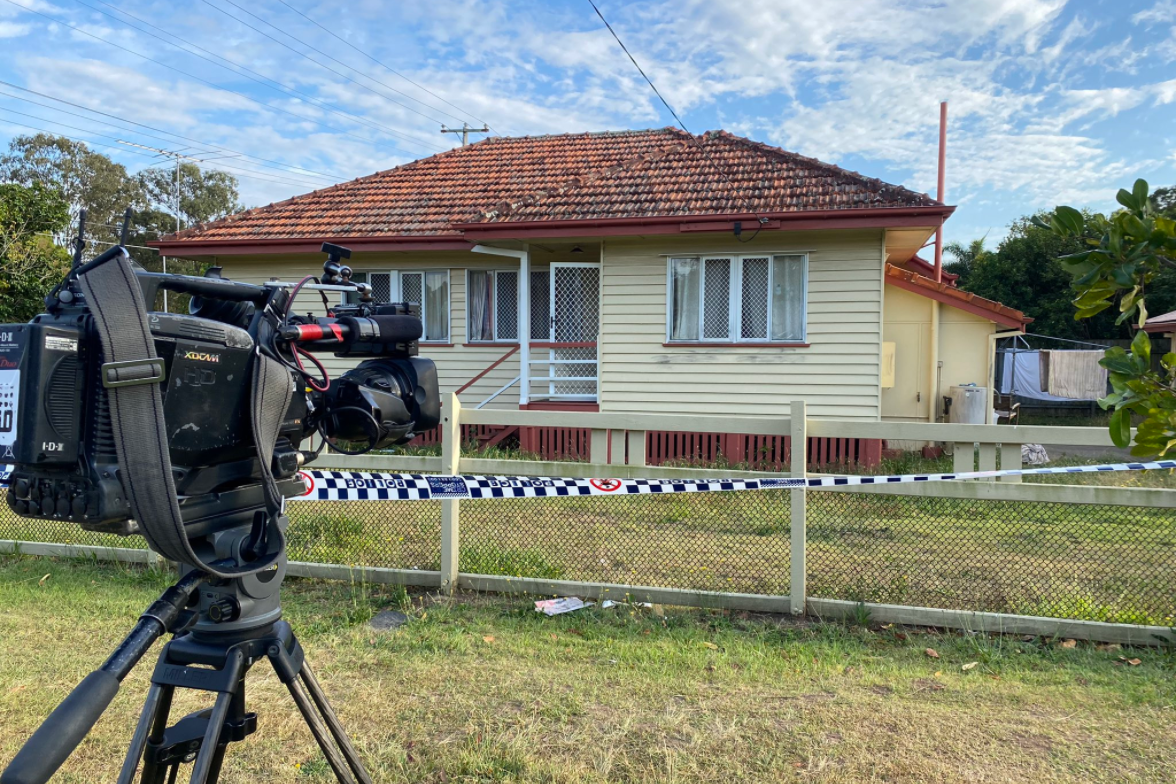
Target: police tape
point(367, 486)
point(370, 486)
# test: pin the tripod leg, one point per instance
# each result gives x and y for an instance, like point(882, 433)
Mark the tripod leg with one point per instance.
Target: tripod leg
point(320, 733)
point(208, 747)
point(157, 704)
point(340, 734)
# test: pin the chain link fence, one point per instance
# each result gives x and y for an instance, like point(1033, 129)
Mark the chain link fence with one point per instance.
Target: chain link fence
point(1078, 561)
point(727, 542)
point(1085, 562)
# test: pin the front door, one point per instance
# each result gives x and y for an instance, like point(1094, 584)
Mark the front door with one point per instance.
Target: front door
point(564, 367)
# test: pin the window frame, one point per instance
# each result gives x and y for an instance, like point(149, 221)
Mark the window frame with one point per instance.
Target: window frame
point(495, 339)
point(396, 289)
point(735, 300)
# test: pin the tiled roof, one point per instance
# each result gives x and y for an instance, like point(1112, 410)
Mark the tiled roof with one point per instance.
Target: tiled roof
point(921, 266)
point(949, 295)
point(664, 172)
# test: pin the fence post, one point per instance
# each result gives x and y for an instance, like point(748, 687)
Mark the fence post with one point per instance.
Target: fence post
point(450, 463)
point(798, 589)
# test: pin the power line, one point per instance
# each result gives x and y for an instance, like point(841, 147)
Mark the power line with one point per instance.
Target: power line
point(331, 180)
point(134, 152)
point(185, 73)
point(694, 139)
point(301, 183)
point(150, 127)
point(638, 67)
point(332, 33)
point(220, 60)
point(324, 54)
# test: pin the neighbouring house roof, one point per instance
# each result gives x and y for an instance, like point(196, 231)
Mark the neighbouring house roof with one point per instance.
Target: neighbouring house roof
point(621, 176)
point(927, 269)
point(1165, 322)
point(950, 295)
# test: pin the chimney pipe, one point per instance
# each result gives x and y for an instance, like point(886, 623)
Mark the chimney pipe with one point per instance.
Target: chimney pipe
point(939, 194)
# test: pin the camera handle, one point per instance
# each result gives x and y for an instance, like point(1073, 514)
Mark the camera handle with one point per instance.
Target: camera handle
point(72, 720)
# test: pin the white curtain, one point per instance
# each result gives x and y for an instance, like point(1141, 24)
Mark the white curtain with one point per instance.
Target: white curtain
point(437, 305)
point(685, 281)
point(788, 298)
point(479, 299)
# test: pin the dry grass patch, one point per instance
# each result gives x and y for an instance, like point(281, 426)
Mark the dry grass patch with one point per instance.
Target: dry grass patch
point(616, 695)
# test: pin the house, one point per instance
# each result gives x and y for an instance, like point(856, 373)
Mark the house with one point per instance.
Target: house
point(650, 271)
point(1163, 325)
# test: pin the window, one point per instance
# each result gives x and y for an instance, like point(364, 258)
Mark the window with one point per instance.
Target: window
point(428, 288)
point(493, 306)
point(738, 299)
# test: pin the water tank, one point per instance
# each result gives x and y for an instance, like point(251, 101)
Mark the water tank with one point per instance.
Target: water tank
point(969, 405)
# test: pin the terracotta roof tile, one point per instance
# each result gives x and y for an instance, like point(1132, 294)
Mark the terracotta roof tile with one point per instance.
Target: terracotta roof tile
point(948, 294)
point(616, 174)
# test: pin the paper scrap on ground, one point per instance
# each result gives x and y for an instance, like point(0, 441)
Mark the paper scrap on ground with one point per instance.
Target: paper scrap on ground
point(561, 606)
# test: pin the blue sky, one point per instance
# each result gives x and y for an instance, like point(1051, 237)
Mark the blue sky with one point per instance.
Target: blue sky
point(1050, 101)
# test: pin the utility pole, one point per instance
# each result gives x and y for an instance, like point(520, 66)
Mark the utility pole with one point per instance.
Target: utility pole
point(465, 130)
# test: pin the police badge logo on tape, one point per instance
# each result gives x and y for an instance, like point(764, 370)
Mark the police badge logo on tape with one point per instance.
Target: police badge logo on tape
point(447, 487)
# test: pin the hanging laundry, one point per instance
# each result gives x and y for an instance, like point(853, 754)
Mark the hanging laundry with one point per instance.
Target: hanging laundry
point(1074, 375)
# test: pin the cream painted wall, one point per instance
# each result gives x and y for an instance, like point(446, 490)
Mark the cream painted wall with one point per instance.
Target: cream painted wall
point(963, 350)
point(837, 374)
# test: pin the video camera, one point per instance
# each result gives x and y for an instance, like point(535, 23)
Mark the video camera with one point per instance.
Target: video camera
point(190, 430)
point(56, 425)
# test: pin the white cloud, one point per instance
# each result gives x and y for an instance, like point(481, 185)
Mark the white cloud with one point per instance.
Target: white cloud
point(1027, 81)
point(1162, 12)
point(13, 29)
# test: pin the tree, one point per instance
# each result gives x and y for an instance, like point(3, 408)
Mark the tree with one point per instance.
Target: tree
point(30, 262)
point(86, 179)
point(1164, 201)
point(204, 195)
point(1121, 257)
point(1024, 272)
point(967, 259)
point(92, 181)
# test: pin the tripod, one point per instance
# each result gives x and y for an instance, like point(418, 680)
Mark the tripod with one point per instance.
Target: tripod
point(233, 625)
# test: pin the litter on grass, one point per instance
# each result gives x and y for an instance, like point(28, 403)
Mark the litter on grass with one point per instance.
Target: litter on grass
point(561, 606)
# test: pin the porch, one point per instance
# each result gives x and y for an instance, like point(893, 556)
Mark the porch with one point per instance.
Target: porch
point(555, 305)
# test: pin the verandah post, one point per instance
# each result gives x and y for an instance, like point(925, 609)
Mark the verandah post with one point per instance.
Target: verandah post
point(798, 568)
point(450, 464)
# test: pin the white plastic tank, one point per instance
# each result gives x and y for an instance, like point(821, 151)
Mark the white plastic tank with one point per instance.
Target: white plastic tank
point(968, 405)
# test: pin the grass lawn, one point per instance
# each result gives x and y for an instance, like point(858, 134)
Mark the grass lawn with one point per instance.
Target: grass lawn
point(482, 689)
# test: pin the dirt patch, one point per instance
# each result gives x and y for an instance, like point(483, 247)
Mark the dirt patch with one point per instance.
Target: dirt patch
point(1038, 744)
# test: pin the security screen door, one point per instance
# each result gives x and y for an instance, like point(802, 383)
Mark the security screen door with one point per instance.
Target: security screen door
point(564, 367)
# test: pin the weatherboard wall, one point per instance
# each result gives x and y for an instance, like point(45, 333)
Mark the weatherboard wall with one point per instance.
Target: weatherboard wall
point(837, 374)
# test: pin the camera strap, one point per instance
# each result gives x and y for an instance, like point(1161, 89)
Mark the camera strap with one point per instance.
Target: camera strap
point(132, 373)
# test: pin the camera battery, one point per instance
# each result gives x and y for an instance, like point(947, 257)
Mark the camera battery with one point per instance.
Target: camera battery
point(50, 427)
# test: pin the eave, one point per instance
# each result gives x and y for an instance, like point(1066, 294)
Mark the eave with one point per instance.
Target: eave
point(473, 233)
point(293, 245)
point(869, 217)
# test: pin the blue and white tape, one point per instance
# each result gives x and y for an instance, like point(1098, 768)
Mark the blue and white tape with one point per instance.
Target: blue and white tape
point(369, 486)
point(366, 486)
